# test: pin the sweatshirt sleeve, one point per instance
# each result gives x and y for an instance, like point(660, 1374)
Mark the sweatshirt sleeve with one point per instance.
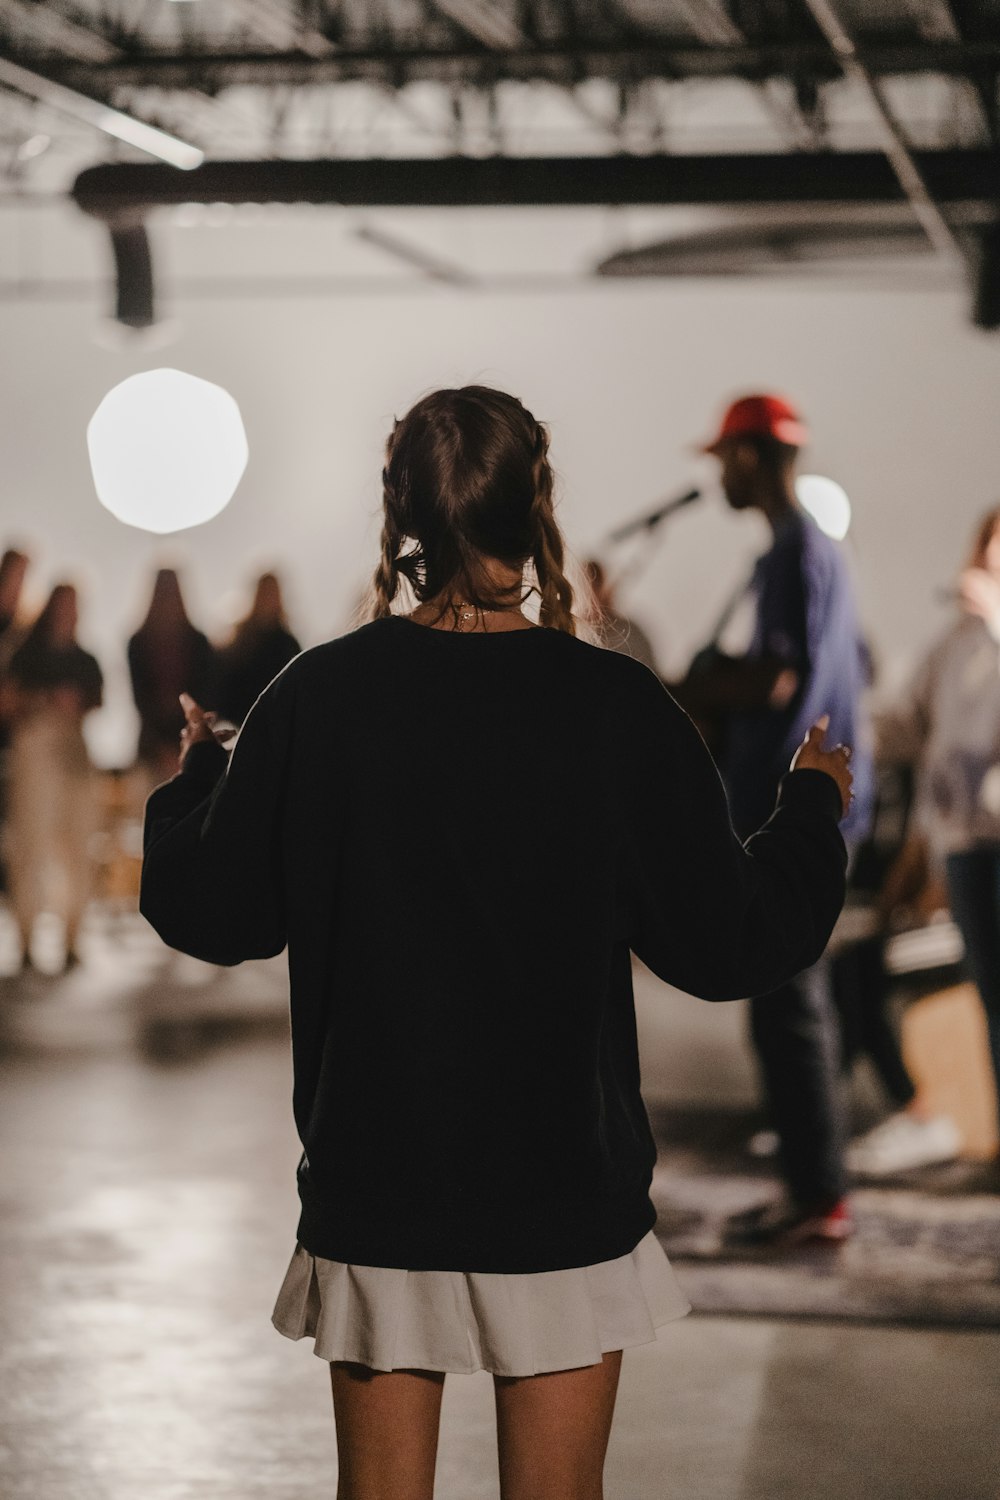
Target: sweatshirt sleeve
point(717, 918)
point(212, 881)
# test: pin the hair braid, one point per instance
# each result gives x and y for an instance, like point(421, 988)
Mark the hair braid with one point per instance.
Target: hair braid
point(466, 485)
point(385, 584)
point(555, 591)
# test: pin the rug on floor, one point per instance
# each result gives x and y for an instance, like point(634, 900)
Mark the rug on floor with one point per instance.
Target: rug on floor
point(926, 1247)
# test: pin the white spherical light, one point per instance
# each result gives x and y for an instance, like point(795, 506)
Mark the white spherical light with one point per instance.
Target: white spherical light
point(827, 503)
point(167, 450)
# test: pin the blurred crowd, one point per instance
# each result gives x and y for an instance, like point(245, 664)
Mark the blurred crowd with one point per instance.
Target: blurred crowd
point(50, 797)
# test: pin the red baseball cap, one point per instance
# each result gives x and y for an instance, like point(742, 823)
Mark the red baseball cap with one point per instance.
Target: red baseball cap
point(761, 416)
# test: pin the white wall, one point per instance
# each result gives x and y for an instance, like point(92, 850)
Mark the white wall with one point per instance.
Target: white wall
point(901, 392)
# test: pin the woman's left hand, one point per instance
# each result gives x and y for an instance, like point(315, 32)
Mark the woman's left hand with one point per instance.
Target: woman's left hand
point(199, 726)
point(980, 594)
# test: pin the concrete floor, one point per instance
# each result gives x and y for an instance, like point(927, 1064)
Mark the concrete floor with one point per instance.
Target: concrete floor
point(148, 1216)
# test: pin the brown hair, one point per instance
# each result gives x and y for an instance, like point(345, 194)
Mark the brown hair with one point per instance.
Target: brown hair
point(467, 479)
point(257, 618)
point(40, 633)
point(984, 535)
point(166, 613)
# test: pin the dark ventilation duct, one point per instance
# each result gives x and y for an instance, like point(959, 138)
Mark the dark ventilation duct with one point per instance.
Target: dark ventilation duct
point(110, 190)
point(986, 312)
point(122, 194)
point(135, 304)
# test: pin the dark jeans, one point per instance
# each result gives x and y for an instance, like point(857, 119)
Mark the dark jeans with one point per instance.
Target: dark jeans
point(974, 892)
point(796, 1034)
point(861, 988)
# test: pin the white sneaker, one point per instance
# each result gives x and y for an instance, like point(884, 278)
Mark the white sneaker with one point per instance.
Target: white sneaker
point(903, 1142)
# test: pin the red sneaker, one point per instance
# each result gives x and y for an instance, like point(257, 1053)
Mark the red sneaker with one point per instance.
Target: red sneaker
point(780, 1226)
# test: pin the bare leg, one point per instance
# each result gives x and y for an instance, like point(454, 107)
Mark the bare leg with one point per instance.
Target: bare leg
point(387, 1431)
point(553, 1431)
point(78, 822)
point(31, 832)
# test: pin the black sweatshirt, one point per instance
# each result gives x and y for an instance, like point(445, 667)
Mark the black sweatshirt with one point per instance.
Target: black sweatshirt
point(460, 837)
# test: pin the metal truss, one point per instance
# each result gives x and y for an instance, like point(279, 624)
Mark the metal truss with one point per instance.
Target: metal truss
point(347, 77)
point(481, 100)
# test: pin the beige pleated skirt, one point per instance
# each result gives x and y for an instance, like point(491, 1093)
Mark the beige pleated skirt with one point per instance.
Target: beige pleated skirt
point(463, 1321)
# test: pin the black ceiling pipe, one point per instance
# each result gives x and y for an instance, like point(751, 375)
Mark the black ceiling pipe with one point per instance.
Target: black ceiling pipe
point(135, 303)
point(986, 308)
point(564, 61)
point(132, 188)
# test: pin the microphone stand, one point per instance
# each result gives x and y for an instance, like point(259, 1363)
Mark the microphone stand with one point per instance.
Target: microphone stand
point(654, 517)
point(650, 522)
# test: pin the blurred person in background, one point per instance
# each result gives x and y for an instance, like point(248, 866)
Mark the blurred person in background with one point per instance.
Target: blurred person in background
point(900, 892)
point(52, 791)
point(260, 646)
point(616, 631)
point(477, 1157)
point(167, 655)
point(949, 723)
point(13, 571)
point(806, 657)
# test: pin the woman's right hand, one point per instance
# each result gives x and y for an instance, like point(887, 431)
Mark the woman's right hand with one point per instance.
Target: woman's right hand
point(199, 726)
point(813, 756)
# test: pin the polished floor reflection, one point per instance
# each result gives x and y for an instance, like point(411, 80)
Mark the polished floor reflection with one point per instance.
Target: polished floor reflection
point(148, 1217)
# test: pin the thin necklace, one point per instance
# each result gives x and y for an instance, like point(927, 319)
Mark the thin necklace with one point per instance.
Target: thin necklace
point(467, 610)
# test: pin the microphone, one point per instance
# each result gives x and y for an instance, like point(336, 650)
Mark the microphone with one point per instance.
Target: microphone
point(654, 517)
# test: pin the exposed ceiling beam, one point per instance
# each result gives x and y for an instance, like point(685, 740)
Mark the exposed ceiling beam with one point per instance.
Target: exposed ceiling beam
point(937, 22)
point(113, 122)
point(712, 23)
point(281, 27)
point(822, 176)
point(478, 18)
point(897, 149)
point(60, 32)
point(935, 19)
point(70, 29)
point(563, 62)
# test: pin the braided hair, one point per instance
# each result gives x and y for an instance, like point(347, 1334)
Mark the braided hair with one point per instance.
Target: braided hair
point(467, 480)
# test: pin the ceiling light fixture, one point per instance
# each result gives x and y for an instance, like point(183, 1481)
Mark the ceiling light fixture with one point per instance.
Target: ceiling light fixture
point(167, 450)
point(827, 503)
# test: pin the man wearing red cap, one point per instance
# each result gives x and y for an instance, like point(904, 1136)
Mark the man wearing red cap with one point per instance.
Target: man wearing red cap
point(805, 659)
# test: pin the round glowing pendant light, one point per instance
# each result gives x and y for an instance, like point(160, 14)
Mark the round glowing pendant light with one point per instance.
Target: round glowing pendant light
point(167, 450)
point(827, 503)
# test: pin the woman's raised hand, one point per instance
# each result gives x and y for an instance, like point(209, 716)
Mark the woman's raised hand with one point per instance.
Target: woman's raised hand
point(812, 755)
point(200, 725)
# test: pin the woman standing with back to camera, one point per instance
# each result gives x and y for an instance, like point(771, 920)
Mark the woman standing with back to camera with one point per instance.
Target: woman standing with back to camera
point(461, 822)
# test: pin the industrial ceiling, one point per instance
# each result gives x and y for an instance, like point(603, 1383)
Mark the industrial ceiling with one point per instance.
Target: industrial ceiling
point(889, 107)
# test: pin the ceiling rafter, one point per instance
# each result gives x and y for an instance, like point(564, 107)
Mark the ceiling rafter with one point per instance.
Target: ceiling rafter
point(481, 20)
point(67, 29)
point(282, 27)
point(553, 61)
point(712, 24)
point(937, 21)
point(897, 149)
